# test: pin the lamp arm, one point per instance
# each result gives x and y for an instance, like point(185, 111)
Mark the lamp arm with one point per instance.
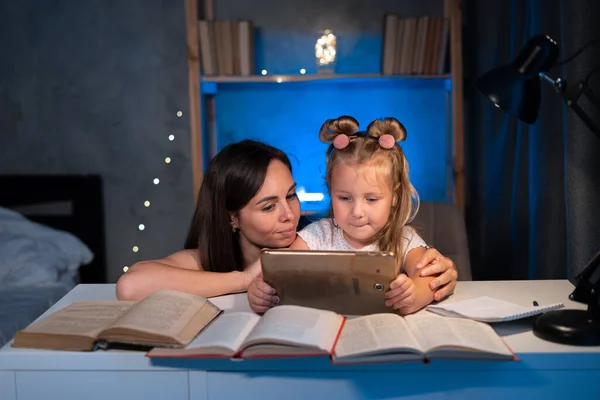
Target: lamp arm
point(592, 72)
point(578, 52)
point(574, 95)
point(587, 287)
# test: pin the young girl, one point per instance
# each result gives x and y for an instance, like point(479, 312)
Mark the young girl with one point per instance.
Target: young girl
point(372, 201)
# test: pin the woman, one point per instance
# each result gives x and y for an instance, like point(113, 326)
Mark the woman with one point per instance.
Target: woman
point(247, 202)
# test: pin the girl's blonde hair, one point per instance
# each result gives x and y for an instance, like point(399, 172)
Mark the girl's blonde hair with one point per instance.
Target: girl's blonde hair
point(365, 151)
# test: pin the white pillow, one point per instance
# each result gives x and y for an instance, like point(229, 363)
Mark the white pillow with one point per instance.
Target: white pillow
point(32, 253)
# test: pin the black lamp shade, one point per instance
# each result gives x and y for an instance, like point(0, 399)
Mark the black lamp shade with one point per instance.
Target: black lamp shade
point(515, 88)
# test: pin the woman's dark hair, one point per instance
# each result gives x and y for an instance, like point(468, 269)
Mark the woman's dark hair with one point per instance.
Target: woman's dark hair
point(233, 178)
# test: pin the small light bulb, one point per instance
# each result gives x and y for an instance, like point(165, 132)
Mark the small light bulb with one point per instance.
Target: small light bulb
point(264, 72)
point(302, 71)
point(171, 137)
point(168, 160)
point(141, 227)
point(146, 203)
point(135, 249)
point(279, 80)
point(125, 268)
point(156, 181)
point(179, 113)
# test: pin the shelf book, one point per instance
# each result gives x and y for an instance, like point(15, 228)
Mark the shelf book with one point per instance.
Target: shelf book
point(292, 331)
point(416, 45)
point(226, 47)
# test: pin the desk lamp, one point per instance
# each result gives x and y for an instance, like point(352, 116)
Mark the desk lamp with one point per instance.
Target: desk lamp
point(515, 88)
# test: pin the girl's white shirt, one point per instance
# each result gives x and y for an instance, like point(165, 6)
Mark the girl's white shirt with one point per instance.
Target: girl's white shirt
point(324, 235)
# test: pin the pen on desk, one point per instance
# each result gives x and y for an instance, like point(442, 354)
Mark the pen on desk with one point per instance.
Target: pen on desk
point(535, 303)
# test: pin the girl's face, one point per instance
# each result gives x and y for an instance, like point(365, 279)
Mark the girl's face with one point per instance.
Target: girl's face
point(271, 217)
point(361, 203)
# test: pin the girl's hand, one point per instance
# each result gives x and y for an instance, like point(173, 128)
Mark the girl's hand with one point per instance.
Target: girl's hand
point(401, 295)
point(433, 263)
point(261, 296)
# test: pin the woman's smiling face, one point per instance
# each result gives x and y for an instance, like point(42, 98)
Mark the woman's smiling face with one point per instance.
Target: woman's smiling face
point(271, 217)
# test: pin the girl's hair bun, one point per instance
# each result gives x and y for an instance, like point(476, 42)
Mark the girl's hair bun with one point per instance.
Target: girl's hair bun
point(344, 125)
point(387, 126)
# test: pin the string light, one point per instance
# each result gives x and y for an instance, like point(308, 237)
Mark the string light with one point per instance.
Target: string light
point(302, 71)
point(146, 203)
point(325, 51)
point(264, 72)
point(279, 80)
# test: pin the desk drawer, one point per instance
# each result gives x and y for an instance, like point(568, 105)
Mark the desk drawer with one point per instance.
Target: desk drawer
point(102, 385)
point(7, 385)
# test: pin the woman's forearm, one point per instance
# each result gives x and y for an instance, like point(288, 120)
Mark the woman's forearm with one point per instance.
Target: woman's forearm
point(147, 277)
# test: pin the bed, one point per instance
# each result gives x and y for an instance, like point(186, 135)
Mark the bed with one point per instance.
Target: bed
point(51, 238)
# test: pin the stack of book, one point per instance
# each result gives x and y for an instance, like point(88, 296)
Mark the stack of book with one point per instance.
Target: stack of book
point(416, 45)
point(226, 47)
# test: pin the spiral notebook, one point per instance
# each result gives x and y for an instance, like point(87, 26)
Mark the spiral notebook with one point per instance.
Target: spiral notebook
point(488, 309)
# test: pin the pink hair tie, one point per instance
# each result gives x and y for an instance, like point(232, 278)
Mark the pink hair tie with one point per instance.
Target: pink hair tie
point(386, 141)
point(341, 141)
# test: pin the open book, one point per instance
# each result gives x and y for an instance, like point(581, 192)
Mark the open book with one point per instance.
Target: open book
point(164, 318)
point(421, 336)
point(489, 309)
point(286, 331)
point(283, 331)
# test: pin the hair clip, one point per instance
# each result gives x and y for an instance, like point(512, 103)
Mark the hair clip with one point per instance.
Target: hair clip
point(386, 141)
point(341, 141)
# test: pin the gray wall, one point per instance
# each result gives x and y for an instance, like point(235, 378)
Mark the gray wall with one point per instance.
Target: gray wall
point(94, 87)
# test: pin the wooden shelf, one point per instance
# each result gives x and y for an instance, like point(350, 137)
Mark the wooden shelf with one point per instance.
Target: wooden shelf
point(308, 78)
point(208, 86)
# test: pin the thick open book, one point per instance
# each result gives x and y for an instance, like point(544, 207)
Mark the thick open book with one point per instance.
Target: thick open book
point(164, 318)
point(421, 336)
point(297, 331)
point(283, 331)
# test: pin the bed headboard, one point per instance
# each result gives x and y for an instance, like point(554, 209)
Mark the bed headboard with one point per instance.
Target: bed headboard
point(72, 203)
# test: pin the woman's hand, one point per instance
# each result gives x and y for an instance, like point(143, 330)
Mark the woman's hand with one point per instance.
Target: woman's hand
point(250, 273)
point(261, 296)
point(433, 263)
point(402, 294)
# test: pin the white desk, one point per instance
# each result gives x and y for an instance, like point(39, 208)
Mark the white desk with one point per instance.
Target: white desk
point(545, 370)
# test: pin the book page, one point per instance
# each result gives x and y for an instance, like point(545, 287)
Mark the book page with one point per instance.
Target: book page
point(164, 312)
point(84, 318)
point(436, 332)
point(297, 325)
point(228, 331)
point(375, 333)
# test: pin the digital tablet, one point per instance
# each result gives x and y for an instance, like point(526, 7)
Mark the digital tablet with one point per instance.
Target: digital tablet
point(346, 282)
